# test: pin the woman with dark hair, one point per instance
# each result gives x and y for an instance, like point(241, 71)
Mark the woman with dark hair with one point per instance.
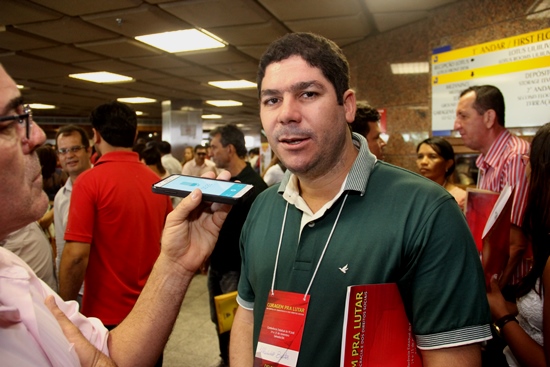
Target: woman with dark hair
point(436, 161)
point(526, 333)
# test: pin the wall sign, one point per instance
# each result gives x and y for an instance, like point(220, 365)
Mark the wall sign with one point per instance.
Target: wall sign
point(519, 66)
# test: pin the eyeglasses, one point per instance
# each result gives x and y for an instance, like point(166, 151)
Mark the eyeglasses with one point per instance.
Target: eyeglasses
point(24, 118)
point(74, 149)
point(201, 154)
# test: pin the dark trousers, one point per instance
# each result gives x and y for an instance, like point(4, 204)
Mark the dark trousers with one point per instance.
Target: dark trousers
point(221, 283)
point(159, 361)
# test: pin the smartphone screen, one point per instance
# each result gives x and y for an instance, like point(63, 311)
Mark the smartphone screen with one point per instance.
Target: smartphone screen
point(213, 190)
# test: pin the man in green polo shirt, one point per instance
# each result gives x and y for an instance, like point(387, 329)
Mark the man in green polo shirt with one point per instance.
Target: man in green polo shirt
point(341, 218)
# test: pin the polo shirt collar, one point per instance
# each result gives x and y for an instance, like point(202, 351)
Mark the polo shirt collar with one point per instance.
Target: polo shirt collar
point(118, 156)
point(356, 179)
point(493, 155)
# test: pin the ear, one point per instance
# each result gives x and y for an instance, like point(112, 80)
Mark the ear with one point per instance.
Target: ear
point(449, 164)
point(97, 137)
point(350, 105)
point(489, 118)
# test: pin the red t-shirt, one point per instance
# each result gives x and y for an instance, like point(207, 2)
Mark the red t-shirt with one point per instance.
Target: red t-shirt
point(114, 210)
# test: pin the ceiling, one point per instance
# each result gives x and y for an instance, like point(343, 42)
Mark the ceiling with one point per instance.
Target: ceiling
point(43, 41)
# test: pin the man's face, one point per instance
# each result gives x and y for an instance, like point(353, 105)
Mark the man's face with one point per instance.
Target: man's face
point(469, 123)
point(74, 163)
point(375, 142)
point(200, 156)
point(304, 124)
point(220, 154)
point(21, 194)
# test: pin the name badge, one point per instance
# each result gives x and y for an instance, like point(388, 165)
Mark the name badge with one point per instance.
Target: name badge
point(282, 330)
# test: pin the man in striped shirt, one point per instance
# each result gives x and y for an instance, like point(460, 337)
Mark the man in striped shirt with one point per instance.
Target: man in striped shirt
point(480, 121)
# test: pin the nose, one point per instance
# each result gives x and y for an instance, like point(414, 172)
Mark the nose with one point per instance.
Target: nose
point(37, 137)
point(456, 124)
point(289, 111)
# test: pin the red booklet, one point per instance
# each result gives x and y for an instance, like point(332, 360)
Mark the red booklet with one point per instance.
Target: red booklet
point(496, 236)
point(488, 215)
point(477, 208)
point(376, 330)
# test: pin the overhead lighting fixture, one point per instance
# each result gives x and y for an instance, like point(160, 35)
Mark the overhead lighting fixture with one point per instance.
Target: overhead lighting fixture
point(410, 68)
point(20, 86)
point(224, 103)
point(41, 106)
point(136, 100)
point(102, 77)
point(139, 113)
point(182, 41)
point(211, 117)
point(233, 84)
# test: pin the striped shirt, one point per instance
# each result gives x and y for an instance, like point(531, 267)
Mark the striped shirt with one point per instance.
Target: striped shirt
point(503, 165)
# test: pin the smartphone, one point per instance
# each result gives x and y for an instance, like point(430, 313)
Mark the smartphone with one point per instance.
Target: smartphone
point(218, 191)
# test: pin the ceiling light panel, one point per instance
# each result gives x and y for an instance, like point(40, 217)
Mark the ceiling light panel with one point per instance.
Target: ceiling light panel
point(233, 84)
point(224, 103)
point(182, 41)
point(102, 77)
point(410, 68)
point(136, 100)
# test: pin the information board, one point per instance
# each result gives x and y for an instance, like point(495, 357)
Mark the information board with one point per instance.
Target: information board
point(519, 66)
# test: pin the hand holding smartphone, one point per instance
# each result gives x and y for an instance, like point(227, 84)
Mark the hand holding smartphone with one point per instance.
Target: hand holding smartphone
point(226, 192)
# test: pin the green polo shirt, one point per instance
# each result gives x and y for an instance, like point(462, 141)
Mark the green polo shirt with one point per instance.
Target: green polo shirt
point(395, 226)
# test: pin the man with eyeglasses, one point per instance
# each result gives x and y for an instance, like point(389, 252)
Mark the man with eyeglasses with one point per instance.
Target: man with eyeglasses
point(38, 327)
point(74, 152)
point(199, 165)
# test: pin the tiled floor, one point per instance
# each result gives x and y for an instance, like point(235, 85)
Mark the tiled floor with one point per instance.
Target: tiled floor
point(193, 342)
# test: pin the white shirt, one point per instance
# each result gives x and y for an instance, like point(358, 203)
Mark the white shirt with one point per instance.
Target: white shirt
point(61, 204)
point(172, 165)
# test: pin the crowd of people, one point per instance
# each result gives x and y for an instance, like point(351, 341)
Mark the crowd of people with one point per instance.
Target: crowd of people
point(328, 213)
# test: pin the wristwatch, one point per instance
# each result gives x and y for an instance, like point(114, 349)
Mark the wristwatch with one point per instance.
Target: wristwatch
point(499, 324)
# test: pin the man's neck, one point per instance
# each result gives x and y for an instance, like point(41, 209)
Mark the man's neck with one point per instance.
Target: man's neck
point(317, 191)
point(73, 176)
point(235, 166)
point(492, 136)
point(106, 148)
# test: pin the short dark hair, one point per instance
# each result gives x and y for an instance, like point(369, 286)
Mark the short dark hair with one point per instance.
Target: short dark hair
point(70, 129)
point(48, 160)
point(231, 134)
point(116, 122)
point(443, 148)
point(199, 146)
point(152, 157)
point(317, 51)
point(364, 115)
point(164, 147)
point(488, 97)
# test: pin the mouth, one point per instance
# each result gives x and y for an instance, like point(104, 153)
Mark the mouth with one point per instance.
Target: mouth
point(294, 141)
